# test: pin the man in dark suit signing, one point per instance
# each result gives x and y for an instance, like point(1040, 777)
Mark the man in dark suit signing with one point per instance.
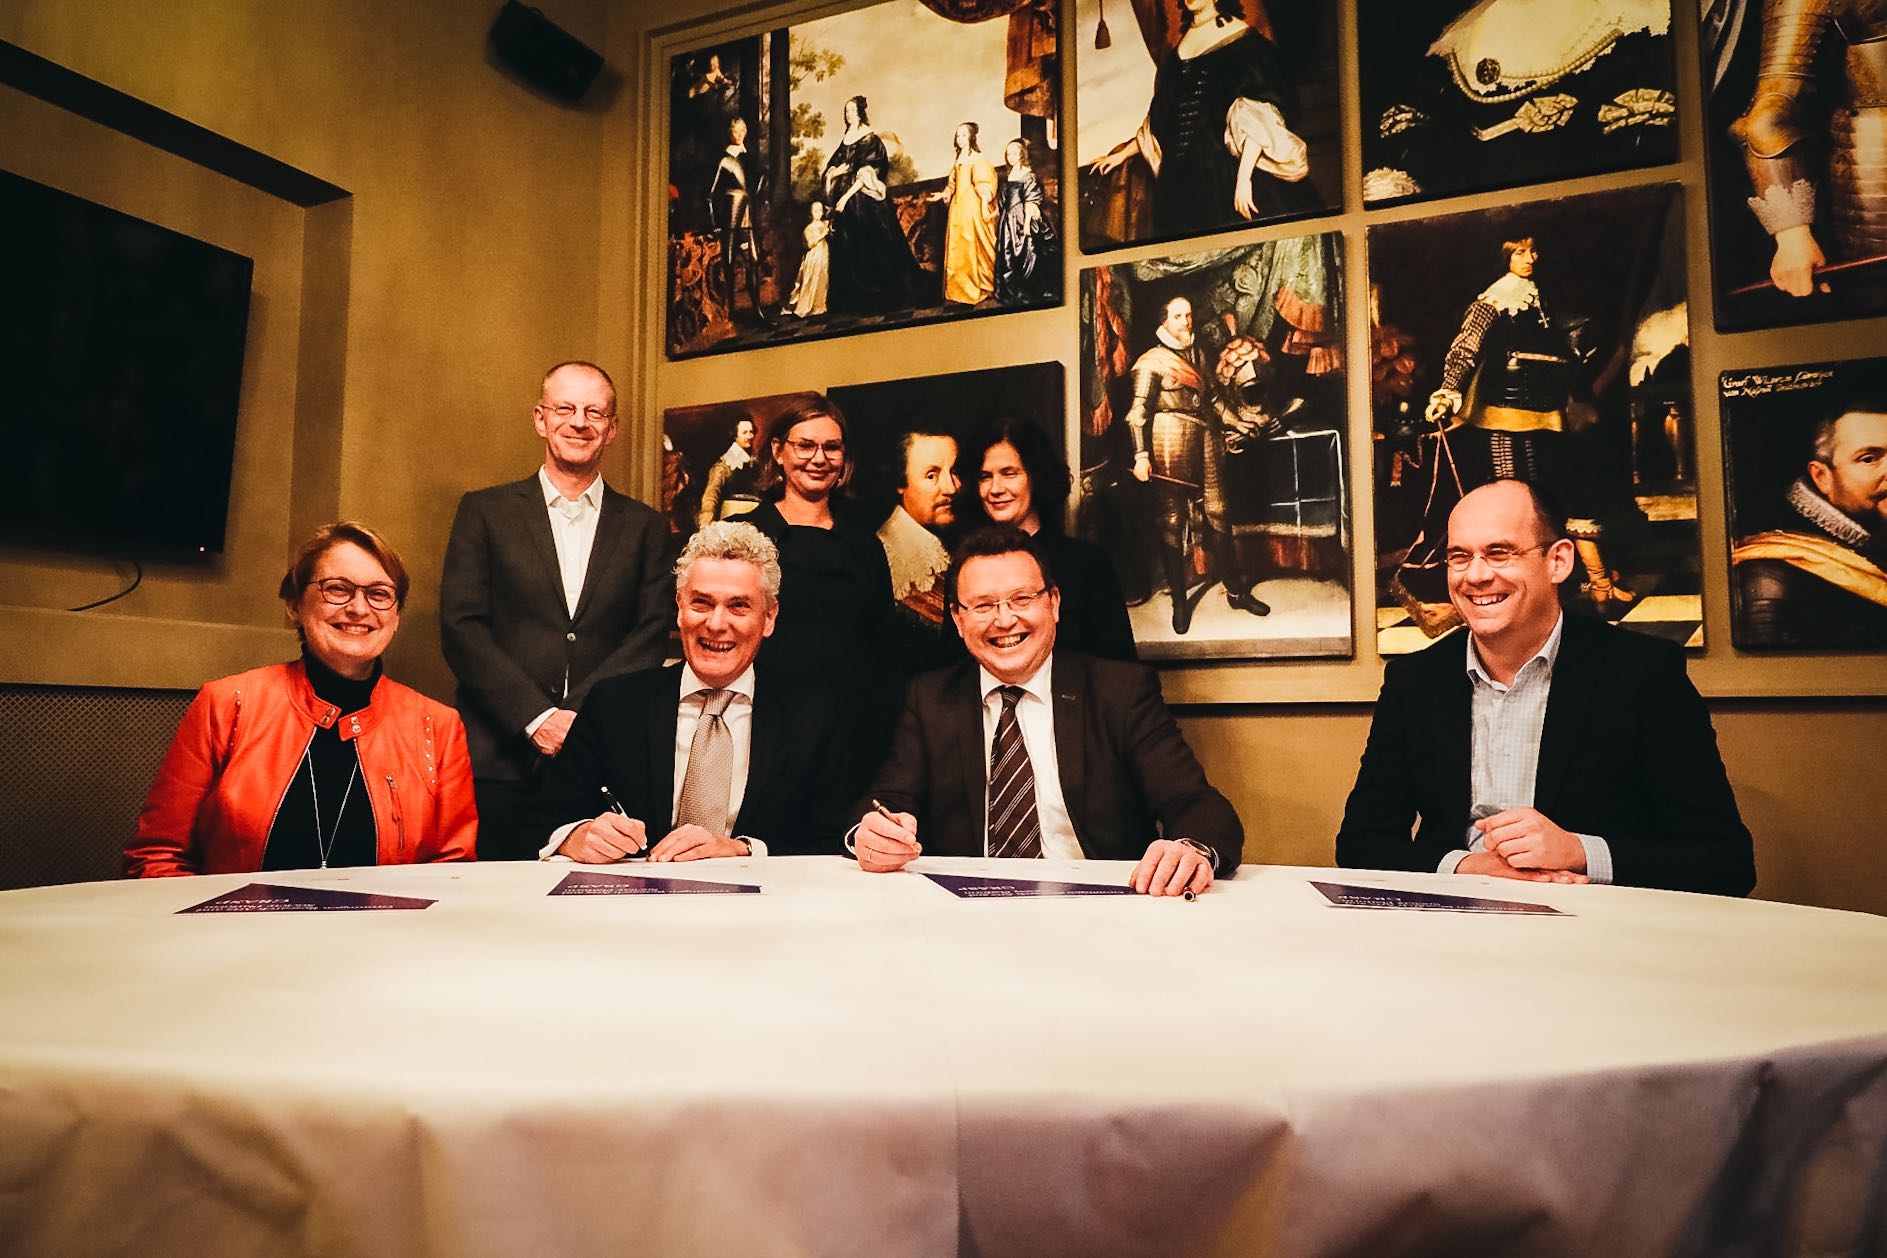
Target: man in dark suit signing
point(1539, 745)
point(551, 583)
point(710, 757)
point(1026, 751)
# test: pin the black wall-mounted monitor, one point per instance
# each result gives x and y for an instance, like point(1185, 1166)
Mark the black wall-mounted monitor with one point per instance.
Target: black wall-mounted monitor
point(121, 348)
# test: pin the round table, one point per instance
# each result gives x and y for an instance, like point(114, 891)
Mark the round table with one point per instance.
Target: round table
point(849, 1063)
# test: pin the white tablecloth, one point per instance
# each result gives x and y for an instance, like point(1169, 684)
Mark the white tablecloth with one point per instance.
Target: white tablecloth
point(859, 1064)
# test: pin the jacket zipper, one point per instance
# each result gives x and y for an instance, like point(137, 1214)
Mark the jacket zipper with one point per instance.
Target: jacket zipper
point(286, 787)
point(399, 821)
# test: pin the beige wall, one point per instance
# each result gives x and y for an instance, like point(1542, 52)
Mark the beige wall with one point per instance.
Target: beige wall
point(471, 248)
point(490, 232)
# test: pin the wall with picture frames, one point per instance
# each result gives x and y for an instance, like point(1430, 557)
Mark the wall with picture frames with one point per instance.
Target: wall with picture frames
point(1796, 726)
point(1400, 246)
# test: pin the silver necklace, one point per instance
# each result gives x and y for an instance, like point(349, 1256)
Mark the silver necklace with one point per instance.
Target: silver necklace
point(326, 846)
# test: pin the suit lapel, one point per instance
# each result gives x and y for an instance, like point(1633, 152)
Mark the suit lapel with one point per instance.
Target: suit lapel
point(534, 523)
point(1453, 728)
point(604, 550)
point(965, 706)
point(1568, 708)
point(762, 746)
point(659, 713)
point(1068, 682)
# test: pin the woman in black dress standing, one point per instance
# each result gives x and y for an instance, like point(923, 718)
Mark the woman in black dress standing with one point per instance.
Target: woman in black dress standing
point(872, 267)
point(836, 619)
point(1020, 480)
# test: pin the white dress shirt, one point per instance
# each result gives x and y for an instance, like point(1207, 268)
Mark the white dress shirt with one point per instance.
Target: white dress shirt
point(573, 530)
point(573, 533)
point(1504, 750)
point(1035, 714)
point(739, 721)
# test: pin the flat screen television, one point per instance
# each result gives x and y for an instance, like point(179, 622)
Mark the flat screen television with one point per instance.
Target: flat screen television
point(122, 356)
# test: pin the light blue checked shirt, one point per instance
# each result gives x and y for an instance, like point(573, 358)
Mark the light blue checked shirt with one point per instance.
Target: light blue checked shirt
point(1504, 756)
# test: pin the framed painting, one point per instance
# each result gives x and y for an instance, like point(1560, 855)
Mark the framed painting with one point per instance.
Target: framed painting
point(893, 165)
point(1548, 341)
point(1469, 95)
point(912, 443)
point(1201, 116)
point(1212, 451)
point(1805, 455)
point(713, 457)
point(1797, 168)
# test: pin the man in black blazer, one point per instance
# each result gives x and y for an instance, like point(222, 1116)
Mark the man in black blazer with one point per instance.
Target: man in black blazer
point(1539, 745)
point(641, 772)
point(551, 584)
point(1083, 756)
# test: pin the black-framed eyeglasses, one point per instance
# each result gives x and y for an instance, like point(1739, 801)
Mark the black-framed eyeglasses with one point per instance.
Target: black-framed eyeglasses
point(806, 448)
point(986, 609)
point(567, 410)
point(1497, 556)
point(340, 592)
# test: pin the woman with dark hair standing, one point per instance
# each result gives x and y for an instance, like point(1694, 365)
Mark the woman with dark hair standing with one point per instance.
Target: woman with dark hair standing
point(320, 762)
point(1020, 480)
point(836, 613)
point(872, 267)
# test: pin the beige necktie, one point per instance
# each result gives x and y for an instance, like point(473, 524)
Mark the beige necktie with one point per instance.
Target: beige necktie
point(709, 782)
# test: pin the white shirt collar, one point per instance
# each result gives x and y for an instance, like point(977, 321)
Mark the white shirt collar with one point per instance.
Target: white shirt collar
point(1036, 684)
point(1171, 342)
point(591, 497)
point(1549, 651)
point(741, 685)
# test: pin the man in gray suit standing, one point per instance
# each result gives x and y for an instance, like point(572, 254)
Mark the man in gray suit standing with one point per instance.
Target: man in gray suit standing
point(551, 584)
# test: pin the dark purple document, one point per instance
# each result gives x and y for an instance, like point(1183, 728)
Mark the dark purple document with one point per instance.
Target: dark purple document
point(264, 897)
point(1346, 896)
point(589, 882)
point(968, 888)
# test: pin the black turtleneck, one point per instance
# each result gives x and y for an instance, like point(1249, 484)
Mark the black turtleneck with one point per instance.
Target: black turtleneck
point(292, 841)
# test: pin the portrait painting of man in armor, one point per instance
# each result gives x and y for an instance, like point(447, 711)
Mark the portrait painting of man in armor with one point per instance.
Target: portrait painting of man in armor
point(910, 438)
point(1212, 426)
point(891, 165)
point(1467, 95)
point(1805, 450)
point(714, 456)
point(1796, 146)
point(1547, 342)
point(1202, 116)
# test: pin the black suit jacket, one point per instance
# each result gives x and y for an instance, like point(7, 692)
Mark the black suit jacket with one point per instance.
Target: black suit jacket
point(506, 632)
point(1627, 753)
point(624, 738)
point(1124, 765)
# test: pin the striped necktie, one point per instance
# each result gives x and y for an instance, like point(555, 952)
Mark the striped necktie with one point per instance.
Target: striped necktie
point(1014, 827)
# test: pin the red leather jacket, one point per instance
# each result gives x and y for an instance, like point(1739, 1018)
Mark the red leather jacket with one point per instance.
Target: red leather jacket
point(221, 782)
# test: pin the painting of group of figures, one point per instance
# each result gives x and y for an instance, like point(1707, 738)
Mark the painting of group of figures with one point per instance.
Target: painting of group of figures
point(1548, 341)
point(1462, 97)
point(1212, 447)
point(1202, 116)
point(892, 165)
point(1805, 451)
point(1796, 142)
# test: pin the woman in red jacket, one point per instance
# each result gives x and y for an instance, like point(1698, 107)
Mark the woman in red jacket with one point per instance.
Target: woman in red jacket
point(320, 762)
